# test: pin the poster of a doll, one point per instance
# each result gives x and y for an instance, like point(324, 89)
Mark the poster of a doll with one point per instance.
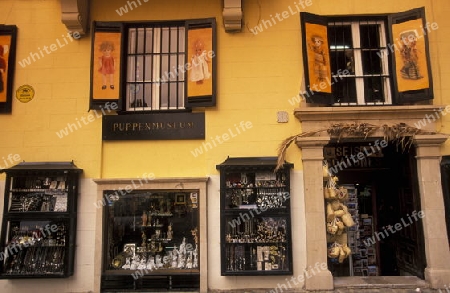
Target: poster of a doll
point(106, 65)
point(200, 56)
point(4, 53)
point(318, 56)
point(410, 56)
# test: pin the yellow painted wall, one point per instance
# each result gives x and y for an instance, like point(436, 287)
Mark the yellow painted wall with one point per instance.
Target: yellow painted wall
point(257, 76)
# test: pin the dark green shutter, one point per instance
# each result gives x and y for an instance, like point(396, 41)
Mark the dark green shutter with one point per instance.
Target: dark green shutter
point(401, 96)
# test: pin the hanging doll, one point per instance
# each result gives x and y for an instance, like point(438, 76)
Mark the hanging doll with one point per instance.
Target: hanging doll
point(199, 63)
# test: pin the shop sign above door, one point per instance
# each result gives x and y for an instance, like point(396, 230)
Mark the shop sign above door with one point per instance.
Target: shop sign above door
point(155, 126)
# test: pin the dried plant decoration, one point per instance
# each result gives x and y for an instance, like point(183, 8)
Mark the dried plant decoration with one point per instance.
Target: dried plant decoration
point(401, 134)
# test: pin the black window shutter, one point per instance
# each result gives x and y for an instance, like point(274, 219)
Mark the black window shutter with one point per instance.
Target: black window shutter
point(410, 63)
point(316, 59)
point(201, 77)
point(106, 92)
point(8, 34)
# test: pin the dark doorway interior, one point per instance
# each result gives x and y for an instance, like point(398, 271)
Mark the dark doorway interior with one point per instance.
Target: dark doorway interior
point(387, 192)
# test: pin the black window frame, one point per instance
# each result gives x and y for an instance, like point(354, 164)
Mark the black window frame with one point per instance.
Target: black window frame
point(313, 96)
point(119, 103)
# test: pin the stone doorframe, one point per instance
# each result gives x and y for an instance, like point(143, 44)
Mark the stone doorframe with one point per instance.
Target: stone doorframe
point(428, 156)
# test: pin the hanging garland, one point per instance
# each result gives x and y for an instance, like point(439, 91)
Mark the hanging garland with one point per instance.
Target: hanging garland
point(401, 134)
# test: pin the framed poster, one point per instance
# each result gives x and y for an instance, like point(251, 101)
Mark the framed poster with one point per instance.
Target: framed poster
point(410, 56)
point(318, 55)
point(8, 35)
point(200, 54)
point(106, 65)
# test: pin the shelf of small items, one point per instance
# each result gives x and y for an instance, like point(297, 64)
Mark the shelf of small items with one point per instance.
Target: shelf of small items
point(255, 217)
point(338, 218)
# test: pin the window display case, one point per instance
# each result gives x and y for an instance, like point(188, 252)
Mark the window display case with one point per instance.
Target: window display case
point(39, 220)
point(151, 240)
point(255, 217)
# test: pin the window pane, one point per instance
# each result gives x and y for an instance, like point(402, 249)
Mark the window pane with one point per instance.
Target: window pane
point(148, 95)
point(181, 70)
point(173, 94)
point(165, 40)
point(174, 39)
point(132, 41)
point(181, 39)
point(340, 37)
point(373, 89)
point(181, 95)
point(149, 40)
point(341, 60)
point(371, 62)
point(135, 95)
point(174, 67)
point(370, 36)
point(141, 40)
point(344, 90)
point(164, 94)
point(148, 70)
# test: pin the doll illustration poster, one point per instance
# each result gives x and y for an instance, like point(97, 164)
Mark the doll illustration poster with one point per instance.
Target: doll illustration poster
point(410, 56)
point(106, 65)
point(200, 54)
point(5, 45)
point(318, 56)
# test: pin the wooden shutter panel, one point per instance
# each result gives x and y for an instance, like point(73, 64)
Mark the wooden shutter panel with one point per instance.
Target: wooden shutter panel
point(107, 71)
point(8, 39)
point(316, 59)
point(201, 69)
point(410, 63)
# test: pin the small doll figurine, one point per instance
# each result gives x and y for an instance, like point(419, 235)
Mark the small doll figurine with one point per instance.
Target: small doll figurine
point(107, 65)
point(320, 64)
point(199, 62)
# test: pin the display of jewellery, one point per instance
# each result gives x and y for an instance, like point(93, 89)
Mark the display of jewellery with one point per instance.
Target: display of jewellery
point(39, 220)
point(255, 217)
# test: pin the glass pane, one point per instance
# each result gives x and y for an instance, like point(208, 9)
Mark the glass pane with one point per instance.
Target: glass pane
point(165, 40)
point(164, 95)
point(148, 95)
point(181, 39)
point(181, 70)
point(141, 41)
point(135, 95)
point(371, 62)
point(340, 37)
point(174, 39)
point(344, 90)
point(164, 66)
point(149, 40)
point(148, 68)
point(370, 36)
point(340, 61)
point(173, 94)
point(152, 231)
point(373, 89)
point(181, 95)
point(174, 67)
point(132, 41)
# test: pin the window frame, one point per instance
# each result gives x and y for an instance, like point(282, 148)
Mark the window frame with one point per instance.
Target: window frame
point(208, 100)
point(313, 96)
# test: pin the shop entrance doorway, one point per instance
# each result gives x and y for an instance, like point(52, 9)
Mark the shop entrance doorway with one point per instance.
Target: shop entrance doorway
point(384, 200)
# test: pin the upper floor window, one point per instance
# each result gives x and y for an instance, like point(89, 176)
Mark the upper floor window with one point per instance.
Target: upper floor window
point(366, 60)
point(153, 79)
point(153, 66)
point(361, 72)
